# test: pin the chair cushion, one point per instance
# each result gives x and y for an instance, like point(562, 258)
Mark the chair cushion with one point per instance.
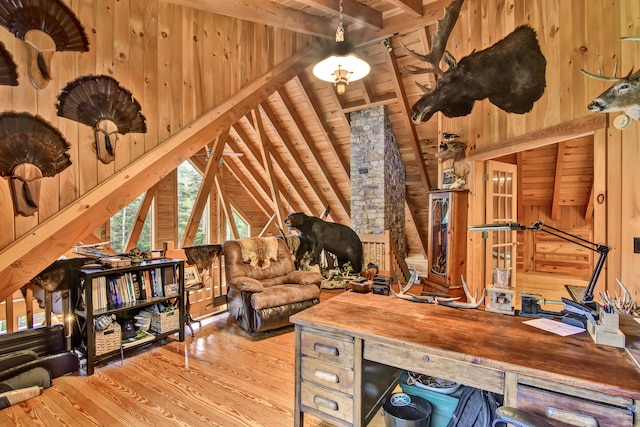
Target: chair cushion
point(277, 295)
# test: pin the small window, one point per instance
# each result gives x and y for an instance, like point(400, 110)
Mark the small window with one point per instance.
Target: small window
point(189, 181)
point(241, 224)
point(122, 223)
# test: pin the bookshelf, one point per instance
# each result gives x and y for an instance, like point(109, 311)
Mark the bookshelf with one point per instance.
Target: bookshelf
point(124, 292)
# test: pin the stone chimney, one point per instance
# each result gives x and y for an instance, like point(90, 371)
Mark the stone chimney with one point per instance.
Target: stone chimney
point(377, 176)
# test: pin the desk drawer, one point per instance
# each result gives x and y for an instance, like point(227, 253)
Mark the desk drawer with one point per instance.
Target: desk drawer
point(327, 347)
point(421, 361)
point(327, 374)
point(565, 410)
point(330, 402)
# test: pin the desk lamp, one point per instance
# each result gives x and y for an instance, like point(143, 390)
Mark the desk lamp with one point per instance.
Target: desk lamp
point(583, 305)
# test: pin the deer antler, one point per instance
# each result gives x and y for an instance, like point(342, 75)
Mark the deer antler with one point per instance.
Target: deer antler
point(599, 76)
point(438, 43)
point(449, 302)
point(612, 78)
point(404, 294)
point(473, 300)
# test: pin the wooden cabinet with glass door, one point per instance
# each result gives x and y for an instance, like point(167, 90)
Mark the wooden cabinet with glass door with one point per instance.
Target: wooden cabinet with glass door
point(447, 247)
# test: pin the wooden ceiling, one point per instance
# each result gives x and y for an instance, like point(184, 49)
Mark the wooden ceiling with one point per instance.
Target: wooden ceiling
point(303, 123)
point(306, 124)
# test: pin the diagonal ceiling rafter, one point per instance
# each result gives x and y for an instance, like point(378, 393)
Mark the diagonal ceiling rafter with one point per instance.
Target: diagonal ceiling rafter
point(293, 181)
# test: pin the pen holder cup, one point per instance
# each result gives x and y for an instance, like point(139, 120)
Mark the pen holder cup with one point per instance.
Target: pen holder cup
point(610, 321)
point(606, 331)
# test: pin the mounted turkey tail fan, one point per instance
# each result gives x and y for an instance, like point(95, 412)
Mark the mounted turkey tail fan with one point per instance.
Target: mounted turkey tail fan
point(8, 70)
point(46, 26)
point(100, 102)
point(30, 148)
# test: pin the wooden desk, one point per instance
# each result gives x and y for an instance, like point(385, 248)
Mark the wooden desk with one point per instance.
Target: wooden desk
point(339, 340)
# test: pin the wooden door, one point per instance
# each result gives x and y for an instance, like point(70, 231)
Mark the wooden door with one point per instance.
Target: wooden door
point(501, 207)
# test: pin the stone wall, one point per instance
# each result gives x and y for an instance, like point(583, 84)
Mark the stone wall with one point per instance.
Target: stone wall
point(377, 176)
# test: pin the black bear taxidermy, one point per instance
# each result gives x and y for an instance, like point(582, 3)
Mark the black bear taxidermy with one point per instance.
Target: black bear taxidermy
point(337, 239)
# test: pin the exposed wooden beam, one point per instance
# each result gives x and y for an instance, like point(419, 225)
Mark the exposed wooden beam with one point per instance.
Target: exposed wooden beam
point(318, 116)
point(405, 109)
point(267, 225)
point(520, 193)
point(143, 212)
point(226, 207)
point(401, 23)
point(412, 7)
point(268, 164)
point(266, 12)
point(422, 238)
point(259, 199)
point(352, 11)
point(261, 184)
point(304, 136)
point(576, 128)
point(588, 209)
point(279, 161)
point(375, 101)
point(555, 199)
point(52, 238)
point(191, 229)
point(286, 170)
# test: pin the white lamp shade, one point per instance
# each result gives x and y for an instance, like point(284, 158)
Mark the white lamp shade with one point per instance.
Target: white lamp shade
point(356, 67)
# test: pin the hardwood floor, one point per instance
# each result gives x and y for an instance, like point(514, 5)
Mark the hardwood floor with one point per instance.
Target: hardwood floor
point(221, 377)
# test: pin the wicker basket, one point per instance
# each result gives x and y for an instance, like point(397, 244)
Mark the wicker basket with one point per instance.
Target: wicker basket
point(109, 339)
point(165, 321)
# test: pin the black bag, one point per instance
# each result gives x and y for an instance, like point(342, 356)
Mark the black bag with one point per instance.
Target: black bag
point(476, 408)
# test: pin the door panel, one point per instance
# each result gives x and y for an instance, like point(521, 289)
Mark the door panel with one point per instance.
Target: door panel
point(501, 205)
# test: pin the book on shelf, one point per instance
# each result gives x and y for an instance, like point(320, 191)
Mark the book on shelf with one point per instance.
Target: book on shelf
point(116, 289)
point(140, 337)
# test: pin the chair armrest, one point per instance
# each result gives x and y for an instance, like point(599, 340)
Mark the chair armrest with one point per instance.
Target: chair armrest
point(246, 284)
point(518, 418)
point(304, 277)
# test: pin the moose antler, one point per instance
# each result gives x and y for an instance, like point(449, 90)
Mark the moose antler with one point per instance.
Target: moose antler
point(438, 43)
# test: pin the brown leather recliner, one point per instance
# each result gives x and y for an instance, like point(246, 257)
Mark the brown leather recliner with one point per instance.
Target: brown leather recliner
point(263, 286)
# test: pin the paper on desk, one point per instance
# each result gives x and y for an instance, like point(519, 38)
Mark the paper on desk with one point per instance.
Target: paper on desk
point(555, 327)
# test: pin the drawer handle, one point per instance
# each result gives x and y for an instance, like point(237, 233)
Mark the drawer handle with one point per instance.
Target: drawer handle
point(319, 400)
point(572, 418)
point(327, 349)
point(326, 376)
point(425, 358)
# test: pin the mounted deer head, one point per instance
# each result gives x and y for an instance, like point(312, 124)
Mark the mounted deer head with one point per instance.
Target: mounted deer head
point(623, 95)
point(511, 73)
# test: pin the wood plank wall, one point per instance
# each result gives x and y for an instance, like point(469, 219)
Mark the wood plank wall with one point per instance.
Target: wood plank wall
point(177, 62)
point(572, 35)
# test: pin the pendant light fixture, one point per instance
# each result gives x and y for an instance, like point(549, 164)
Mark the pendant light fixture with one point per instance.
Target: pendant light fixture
point(343, 65)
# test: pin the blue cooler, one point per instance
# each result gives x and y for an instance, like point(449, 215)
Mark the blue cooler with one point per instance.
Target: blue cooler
point(443, 405)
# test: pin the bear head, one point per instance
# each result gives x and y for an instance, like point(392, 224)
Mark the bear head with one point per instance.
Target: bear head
point(295, 220)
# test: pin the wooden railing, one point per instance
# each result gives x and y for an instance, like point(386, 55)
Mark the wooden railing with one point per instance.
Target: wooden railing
point(18, 314)
point(380, 249)
point(211, 298)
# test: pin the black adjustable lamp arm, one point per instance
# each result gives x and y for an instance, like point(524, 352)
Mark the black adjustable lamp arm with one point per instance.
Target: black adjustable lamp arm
point(600, 248)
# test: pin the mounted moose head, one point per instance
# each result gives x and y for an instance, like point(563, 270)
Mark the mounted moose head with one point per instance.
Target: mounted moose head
point(511, 73)
point(624, 95)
